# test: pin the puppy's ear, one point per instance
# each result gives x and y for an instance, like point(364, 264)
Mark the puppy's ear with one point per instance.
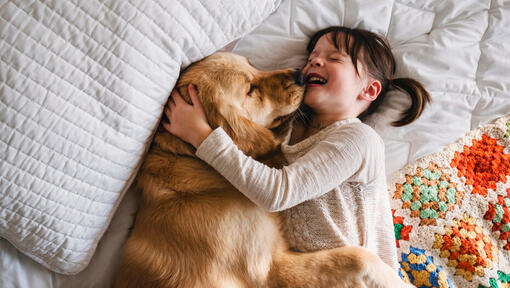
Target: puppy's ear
point(251, 138)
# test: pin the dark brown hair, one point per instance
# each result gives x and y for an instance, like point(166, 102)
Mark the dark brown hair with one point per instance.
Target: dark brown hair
point(375, 54)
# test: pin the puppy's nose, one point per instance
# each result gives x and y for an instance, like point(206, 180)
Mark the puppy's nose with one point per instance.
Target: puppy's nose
point(298, 78)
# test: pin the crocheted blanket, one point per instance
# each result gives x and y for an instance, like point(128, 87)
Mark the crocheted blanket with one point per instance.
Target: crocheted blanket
point(451, 212)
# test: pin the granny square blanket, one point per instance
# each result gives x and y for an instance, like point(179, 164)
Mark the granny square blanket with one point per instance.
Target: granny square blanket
point(451, 212)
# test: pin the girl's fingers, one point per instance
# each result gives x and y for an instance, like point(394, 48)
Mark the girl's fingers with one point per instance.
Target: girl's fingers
point(174, 93)
point(172, 99)
point(171, 103)
point(166, 125)
point(176, 97)
point(193, 94)
point(168, 113)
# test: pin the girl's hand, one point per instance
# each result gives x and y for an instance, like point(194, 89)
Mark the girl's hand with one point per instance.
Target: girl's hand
point(187, 122)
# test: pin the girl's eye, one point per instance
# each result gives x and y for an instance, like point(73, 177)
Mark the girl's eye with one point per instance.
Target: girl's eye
point(335, 59)
point(252, 88)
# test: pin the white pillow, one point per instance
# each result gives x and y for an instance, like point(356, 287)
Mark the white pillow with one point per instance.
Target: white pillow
point(82, 87)
point(281, 40)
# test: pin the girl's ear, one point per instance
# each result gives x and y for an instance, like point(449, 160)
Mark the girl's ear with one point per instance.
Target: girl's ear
point(372, 90)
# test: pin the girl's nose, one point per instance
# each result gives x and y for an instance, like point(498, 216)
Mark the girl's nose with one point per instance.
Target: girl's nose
point(316, 61)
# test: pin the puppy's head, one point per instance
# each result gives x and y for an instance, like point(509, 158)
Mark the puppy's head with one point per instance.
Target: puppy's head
point(254, 107)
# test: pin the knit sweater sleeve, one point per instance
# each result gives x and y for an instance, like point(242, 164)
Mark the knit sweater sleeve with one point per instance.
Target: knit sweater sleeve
point(324, 167)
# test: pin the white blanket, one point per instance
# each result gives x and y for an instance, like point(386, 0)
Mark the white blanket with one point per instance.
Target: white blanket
point(82, 87)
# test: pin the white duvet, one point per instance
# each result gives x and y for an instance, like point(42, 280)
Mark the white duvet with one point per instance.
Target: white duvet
point(459, 49)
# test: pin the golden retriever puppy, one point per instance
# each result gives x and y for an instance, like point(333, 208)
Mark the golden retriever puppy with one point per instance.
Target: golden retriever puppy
point(194, 229)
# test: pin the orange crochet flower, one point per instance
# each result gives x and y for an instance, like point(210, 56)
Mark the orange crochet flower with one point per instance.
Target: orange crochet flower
point(466, 248)
point(483, 164)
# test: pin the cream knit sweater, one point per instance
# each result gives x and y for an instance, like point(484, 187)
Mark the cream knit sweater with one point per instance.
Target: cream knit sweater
point(332, 193)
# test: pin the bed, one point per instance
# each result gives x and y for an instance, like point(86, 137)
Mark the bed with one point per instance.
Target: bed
point(107, 75)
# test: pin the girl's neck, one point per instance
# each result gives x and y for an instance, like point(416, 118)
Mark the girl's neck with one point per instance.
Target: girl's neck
point(301, 131)
point(320, 121)
point(315, 122)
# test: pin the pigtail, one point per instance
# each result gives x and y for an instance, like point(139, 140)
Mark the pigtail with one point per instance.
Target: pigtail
point(419, 98)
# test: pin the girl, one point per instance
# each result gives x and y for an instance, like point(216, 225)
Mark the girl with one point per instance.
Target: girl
point(333, 192)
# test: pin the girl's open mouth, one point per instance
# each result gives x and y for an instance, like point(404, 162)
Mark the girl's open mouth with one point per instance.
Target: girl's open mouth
point(315, 80)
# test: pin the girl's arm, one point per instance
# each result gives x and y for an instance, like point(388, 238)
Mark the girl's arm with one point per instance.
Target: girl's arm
point(320, 170)
point(329, 163)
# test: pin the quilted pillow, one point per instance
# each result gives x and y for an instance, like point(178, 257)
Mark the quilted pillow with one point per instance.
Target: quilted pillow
point(82, 87)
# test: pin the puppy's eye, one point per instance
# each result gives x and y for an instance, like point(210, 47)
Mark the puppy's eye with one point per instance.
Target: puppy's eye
point(252, 88)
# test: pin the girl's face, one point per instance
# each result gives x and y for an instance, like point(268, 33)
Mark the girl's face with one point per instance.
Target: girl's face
point(332, 84)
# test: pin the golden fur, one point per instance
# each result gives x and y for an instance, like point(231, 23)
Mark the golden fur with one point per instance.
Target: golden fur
point(194, 229)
